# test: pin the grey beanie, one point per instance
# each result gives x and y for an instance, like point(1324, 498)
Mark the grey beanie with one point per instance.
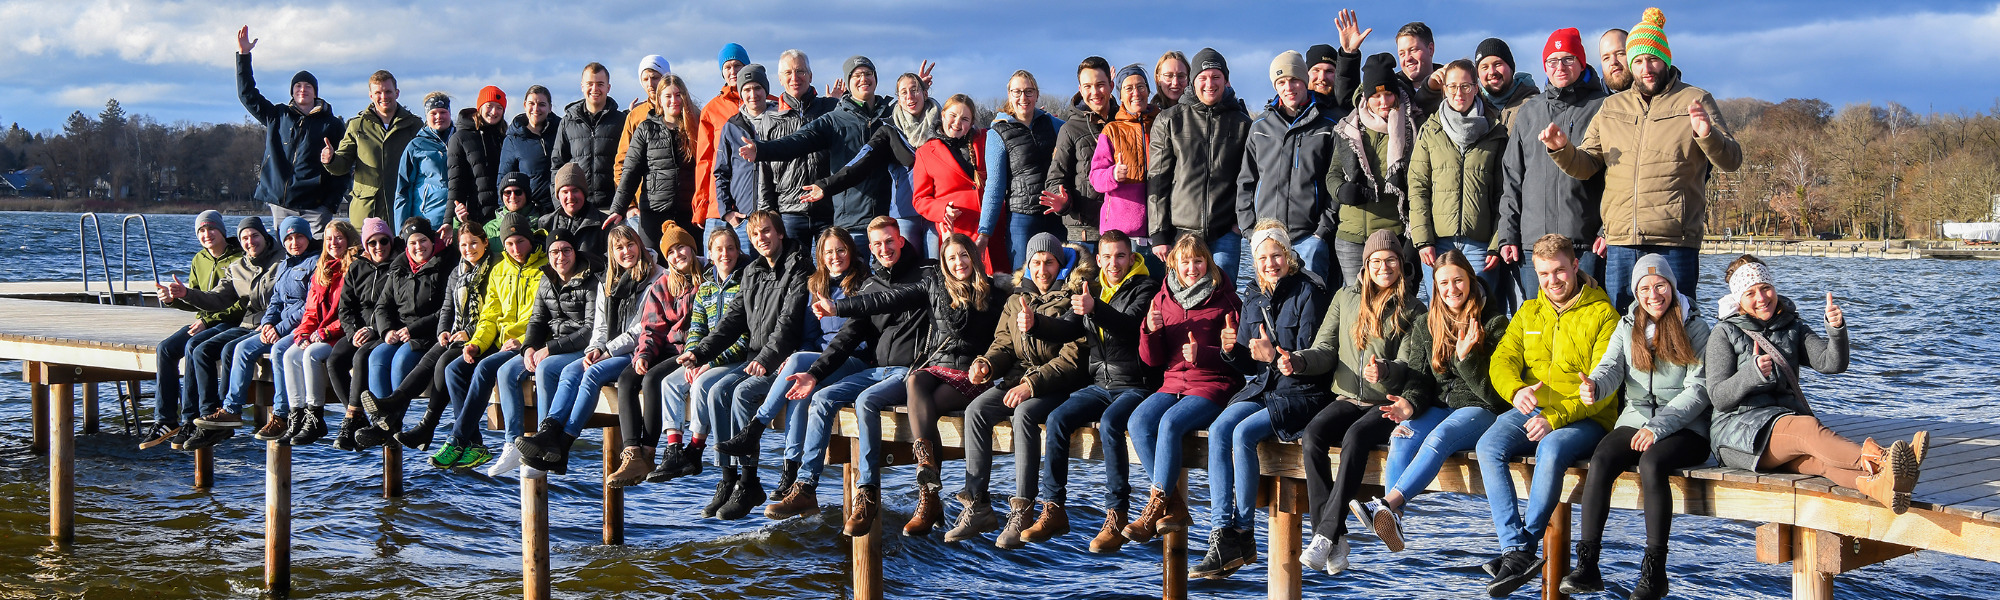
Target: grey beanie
point(752, 73)
point(855, 62)
point(1652, 264)
point(253, 223)
point(208, 218)
point(1043, 242)
point(1207, 59)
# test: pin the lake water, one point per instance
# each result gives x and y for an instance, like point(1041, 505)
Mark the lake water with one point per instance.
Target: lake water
point(1922, 350)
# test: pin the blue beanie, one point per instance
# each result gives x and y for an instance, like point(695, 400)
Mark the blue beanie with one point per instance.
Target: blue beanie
point(295, 225)
point(732, 51)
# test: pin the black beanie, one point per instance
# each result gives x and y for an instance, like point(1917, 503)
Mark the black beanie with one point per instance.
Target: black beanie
point(418, 225)
point(306, 76)
point(1320, 53)
point(1207, 59)
point(1378, 73)
point(1494, 47)
point(558, 234)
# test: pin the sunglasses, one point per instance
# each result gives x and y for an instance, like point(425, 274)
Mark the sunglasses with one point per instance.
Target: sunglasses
point(378, 242)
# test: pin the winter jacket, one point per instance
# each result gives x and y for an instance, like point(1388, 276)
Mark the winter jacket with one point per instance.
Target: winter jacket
point(833, 140)
point(711, 298)
point(423, 180)
point(1536, 197)
point(1017, 164)
point(526, 152)
point(322, 305)
point(1453, 192)
point(663, 322)
point(820, 331)
point(1284, 171)
point(957, 335)
point(714, 116)
point(1290, 315)
point(289, 287)
point(1513, 98)
point(1746, 402)
point(1381, 181)
point(1112, 328)
point(617, 326)
point(1071, 167)
point(509, 300)
point(1333, 349)
point(770, 185)
point(939, 181)
point(370, 154)
point(641, 110)
point(459, 313)
point(655, 170)
point(472, 165)
point(1208, 376)
point(290, 174)
point(591, 141)
point(1191, 166)
point(1463, 383)
point(1655, 169)
point(1047, 358)
point(1666, 400)
point(771, 310)
point(1121, 205)
point(209, 273)
point(891, 338)
point(416, 297)
point(564, 311)
point(246, 291)
point(365, 297)
point(1549, 347)
point(887, 152)
point(587, 226)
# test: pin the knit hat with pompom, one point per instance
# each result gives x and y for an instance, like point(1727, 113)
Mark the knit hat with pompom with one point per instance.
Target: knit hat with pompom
point(1649, 37)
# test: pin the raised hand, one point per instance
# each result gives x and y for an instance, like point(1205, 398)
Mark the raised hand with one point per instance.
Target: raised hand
point(980, 372)
point(1024, 320)
point(1834, 318)
point(326, 152)
point(1698, 119)
point(1466, 343)
point(1262, 349)
point(811, 193)
point(924, 73)
point(1554, 138)
point(1228, 332)
point(1524, 398)
point(1054, 200)
point(1189, 349)
point(821, 307)
point(1351, 33)
point(243, 42)
point(1118, 168)
point(178, 289)
point(749, 148)
point(1586, 390)
point(837, 88)
point(802, 386)
point(1764, 363)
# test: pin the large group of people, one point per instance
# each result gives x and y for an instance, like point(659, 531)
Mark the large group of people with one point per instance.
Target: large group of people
point(1425, 246)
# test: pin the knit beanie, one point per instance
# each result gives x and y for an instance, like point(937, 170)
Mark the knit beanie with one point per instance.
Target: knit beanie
point(571, 174)
point(558, 234)
point(1207, 59)
point(672, 235)
point(732, 51)
point(296, 226)
point(1289, 64)
point(516, 224)
point(515, 179)
point(1043, 242)
point(1649, 37)
point(418, 225)
point(1494, 47)
point(1321, 53)
point(375, 226)
point(1652, 264)
point(654, 63)
point(1382, 239)
point(1564, 40)
point(208, 218)
point(752, 73)
point(307, 77)
point(1378, 74)
point(253, 223)
point(1131, 70)
point(856, 62)
point(491, 94)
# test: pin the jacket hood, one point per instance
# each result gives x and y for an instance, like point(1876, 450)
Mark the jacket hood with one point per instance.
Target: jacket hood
point(1586, 87)
point(320, 105)
point(1079, 110)
point(518, 127)
point(575, 109)
point(1523, 85)
point(468, 119)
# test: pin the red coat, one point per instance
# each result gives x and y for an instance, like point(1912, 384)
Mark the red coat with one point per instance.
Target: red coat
point(322, 314)
point(1208, 376)
point(937, 182)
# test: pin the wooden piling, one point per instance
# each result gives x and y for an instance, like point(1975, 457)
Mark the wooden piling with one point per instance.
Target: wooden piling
point(1174, 551)
point(392, 470)
point(1286, 523)
point(1555, 545)
point(204, 468)
point(38, 406)
point(62, 465)
point(1809, 582)
point(867, 549)
point(614, 497)
point(534, 535)
point(90, 408)
point(277, 518)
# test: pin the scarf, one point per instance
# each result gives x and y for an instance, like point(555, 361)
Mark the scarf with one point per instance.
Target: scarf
point(961, 149)
point(1464, 128)
point(1129, 135)
point(1396, 125)
point(1191, 295)
point(1746, 277)
point(921, 127)
point(1522, 85)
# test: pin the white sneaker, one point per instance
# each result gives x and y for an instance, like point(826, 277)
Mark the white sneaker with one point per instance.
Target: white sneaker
point(1316, 552)
point(510, 459)
point(1337, 560)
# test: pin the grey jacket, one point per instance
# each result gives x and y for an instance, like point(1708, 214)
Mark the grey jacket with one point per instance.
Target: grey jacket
point(1746, 402)
point(1192, 161)
point(250, 281)
point(1668, 399)
point(1536, 197)
point(1284, 170)
point(617, 333)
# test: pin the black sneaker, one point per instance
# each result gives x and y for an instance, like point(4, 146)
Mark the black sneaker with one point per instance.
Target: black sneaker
point(678, 462)
point(745, 442)
point(1516, 569)
point(312, 427)
point(1224, 555)
point(206, 438)
point(179, 441)
point(748, 495)
point(161, 433)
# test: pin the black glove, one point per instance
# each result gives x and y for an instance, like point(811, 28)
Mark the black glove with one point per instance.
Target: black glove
point(1350, 194)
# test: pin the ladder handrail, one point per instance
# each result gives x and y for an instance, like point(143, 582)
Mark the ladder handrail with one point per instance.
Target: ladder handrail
point(83, 251)
point(125, 249)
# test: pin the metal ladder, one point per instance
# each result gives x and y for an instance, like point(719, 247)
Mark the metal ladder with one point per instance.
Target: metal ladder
point(112, 292)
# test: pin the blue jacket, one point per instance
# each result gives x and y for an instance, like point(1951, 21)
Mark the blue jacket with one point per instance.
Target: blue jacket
point(291, 175)
point(420, 181)
point(838, 137)
point(523, 151)
point(288, 295)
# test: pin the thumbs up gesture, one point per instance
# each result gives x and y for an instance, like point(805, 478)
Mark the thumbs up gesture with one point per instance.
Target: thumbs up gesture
point(1118, 168)
point(1371, 369)
point(1554, 138)
point(1586, 389)
point(1024, 320)
point(1154, 320)
point(1262, 347)
point(1082, 304)
point(1764, 363)
point(748, 150)
point(1524, 398)
point(326, 152)
point(1834, 318)
point(1228, 332)
point(1188, 349)
point(172, 290)
point(821, 307)
point(1285, 366)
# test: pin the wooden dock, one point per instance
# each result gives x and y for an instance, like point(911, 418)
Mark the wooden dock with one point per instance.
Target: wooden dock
point(134, 293)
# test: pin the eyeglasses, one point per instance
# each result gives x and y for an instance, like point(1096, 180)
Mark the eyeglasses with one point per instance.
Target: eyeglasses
point(512, 192)
point(1023, 92)
point(1562, 61)
point(1460, 88)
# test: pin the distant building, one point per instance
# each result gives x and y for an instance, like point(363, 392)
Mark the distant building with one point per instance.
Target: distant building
point(25, 182)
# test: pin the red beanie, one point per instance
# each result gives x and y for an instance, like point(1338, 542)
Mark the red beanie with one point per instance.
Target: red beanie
point(1563, 40)
point(493, 94)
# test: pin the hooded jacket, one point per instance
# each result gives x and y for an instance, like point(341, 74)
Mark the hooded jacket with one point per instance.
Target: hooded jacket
point(1655, 170)
point(1070, 170)
point(617, 326)
point(1112, 328)
point(322, 305)
point(509, 301)
point(1453, 192)
point(1290, 315)
point(1746, 402)
point(1511, 100)
point(463, 290)
point(590, 139)
point(1046, 358)
point(246, 291)
point(771, 309)
point(472, 164)
point(1284, 171)
point(766, 184)
point(1536, 197)
point(711, 298)
point(1551, 347)
point(1382, 181)
point(663, 322)
point(370, 153)
point(1667, 399)
point(527, 152)
point(564, 311)
point(1208, 376)
point(365, 298)
point(714, 116)
point(1463, 383)
point(891, 338)
point(209, 273)
point(423, 180)
point(291, 282)
point(290, 174)
point(416, 297)
point(1333, 351)
point(1192, 165)
point(833, 140)
point(655, 169)
point(587, 226)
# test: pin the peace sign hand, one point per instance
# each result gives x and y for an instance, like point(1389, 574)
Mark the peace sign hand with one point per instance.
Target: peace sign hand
point(924, 73)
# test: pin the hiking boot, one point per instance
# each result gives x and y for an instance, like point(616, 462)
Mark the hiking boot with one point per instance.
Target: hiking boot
point(374, 408)
point(745, 442)
point(220, 419)
point(273, 429)
point(1020, 514)
point(748, 495)
point(206, 438)
point(419, 437)
point(676, 462)
point(1176, 519)
point(547, 449)
point(1111, 537)
point(160, 434)
point(1904, 462)
point(927, 467)
point(1516, 569)
point(1652, 584)
point(1881, 487)
point(1224, 556)
point(977, 518)
point(472, 456)
point(370, 437)
point(1584, 578)
point(180, 438)
point(787, 478)
point(1143, 527)
point(312, 427)
point(633, 465)
point(295, 424)
point(447, 455)
point(1246, 547)
point(801, 500)
point(723, 491)
point(928, 514)
point(861, 517)
point(1053, 522)
point(348, 425)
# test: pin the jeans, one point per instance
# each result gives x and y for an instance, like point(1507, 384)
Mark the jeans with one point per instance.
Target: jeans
point(1530, 286)
point(1618, 261)
point(1087, 406)
point(388, 364)
point(1228, 255)
point(317, 218)
point(799, 228)
point(1020, 229)
point(1435, 435)
point(1232, 464)
point(732, 402)
point(742, 234)
point(305, 366)
point(988, 410)
point(470, 385)
point(208, 367)
point(795, 412)
point(699, 391)
point(1554, 454)
point(575, 398)
point(1159, 425)
point(1316, 257)
point(917, 233)
point(280, 394)
point(242, 356)
point(1475, 253)
point(168, 386)
point(872, 391)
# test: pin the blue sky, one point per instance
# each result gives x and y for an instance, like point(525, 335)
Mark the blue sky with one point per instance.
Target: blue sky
point(172, 59)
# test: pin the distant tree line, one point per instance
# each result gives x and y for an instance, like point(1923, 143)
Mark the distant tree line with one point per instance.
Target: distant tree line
point(119, 156)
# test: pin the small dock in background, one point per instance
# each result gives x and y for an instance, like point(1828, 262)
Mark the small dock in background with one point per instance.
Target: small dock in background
point(131, 293)
point(1893, 249)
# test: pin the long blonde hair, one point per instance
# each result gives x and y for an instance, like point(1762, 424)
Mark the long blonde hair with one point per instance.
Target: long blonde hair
point(686, 120)
point(1449, 326)
point(964, 294)
point(615, 273)
point(331, 266)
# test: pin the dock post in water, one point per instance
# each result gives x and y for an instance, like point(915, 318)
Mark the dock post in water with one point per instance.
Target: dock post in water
point(277, 518)
point(614, 497)
point(62, 465)
point(90, 408)
point(204, 468)
point(392, 470)
point(534, 535)
point(1555, 545)
point(1174, 551)
point(38, 406)
point(1286, 510)
point(866, 549)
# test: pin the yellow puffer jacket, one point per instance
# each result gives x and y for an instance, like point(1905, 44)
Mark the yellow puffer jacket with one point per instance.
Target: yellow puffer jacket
point(509, 300)
point(1554, 349)
point(1655, 170)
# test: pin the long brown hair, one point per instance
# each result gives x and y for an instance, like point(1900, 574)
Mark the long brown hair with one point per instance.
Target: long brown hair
point(1669, 341)
point(1449, 326)
point(334, 266)
point(964, 294)
point(615, 273)
point(686, 120)
point(680, 281)
point(821, 282)
point(1376, 300)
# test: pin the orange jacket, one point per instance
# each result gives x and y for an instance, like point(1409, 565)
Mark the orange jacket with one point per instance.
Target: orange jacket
point(713, 116)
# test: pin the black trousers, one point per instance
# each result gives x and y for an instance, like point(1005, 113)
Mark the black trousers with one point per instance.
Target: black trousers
point(1679, 450)
point(640, 413)
point(1356, 430)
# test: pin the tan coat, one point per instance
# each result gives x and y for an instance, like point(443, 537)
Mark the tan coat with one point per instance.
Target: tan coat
point(1655, 170)
point(1049, 357)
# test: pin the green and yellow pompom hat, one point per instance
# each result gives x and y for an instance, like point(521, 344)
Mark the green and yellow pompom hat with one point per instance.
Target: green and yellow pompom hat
point(1649, 37)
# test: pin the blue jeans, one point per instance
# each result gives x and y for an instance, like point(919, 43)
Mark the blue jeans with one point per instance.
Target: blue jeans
point(548, 376)
point(873, 391)
point(388, 364)
point(1315, 254)
point(277, 357)
point(731, 402)
point(1087, 406)
point(917, 234)
point(242, 356)
point(1475, 253)
point(742, 235)
point(699, 392)
point(1020, 229)
point(1228, 255)
point(1159, 425)
point(1530, 286)
point(208, 367)
point(798, 227)
point(1435, 435)
point(470, 386)
point(1618, 261)
point(169, 388)
point(795, 412)
point(1554, 454)
point(576, 396)
point(1232, 464)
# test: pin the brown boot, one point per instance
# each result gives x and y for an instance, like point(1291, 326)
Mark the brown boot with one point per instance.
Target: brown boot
point(1881, 487)
point(801, 500)
point(1919, 445)
point(927, 466)
point(861, 516)
point(1054, 522)
point(1901, 464)
point(1141, 530)
point(1112, 536)
point(977, 519)
point(929, 512)
point(1020, 514)
point(1176, 519)
point(633, 465)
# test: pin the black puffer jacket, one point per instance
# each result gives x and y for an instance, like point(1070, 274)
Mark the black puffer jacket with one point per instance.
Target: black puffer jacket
point(416, 297)
point(1193, 159)
point(564, 311)
point(364, 296)
point(1030, 148)
point(472, 165)
point(1114, 332)
point(771, 309)
point(588, 228)
point(591, 141)
point(957, 335)
point(1069, 169)
point(656, 167)
point(893, 338)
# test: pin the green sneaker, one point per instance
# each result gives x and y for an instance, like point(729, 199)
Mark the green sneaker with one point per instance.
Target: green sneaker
point(472, 457)
point(447, 455)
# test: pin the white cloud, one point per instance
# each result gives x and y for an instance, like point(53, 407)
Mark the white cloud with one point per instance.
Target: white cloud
point(133, 93)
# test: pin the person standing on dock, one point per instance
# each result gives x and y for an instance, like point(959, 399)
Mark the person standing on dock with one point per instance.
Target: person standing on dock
point(1370, 168)
point(1455, 178)
point(832, 140)
point(291, 178)
point(175, 399)
point(656, 175)
point(575, 217)
point(423, 181)
point(1067, 188)
point(589, 136)
point(1536, 196)
point(248, 288)
point(1117, 169)
point(1500, 83)
point(1655, 149)
point(706, 209)
point(472, 158)
point(1192, 161)
point(372, 149)
point(914, 120)
point(1284, 166)
point(1019, 147)
point(504, 309)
